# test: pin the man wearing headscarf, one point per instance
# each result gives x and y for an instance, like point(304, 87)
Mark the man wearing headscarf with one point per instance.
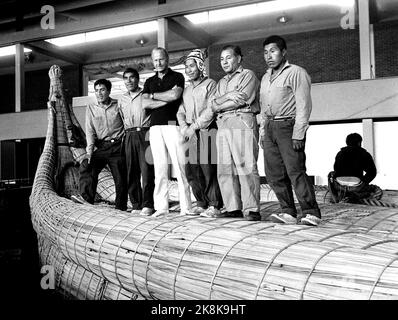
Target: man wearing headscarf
point(198, 127)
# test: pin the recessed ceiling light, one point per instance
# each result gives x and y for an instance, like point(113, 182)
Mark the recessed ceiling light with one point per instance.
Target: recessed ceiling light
point(103, 34)
point(141, 41)
point(261, 8)
point(10, 50)
point(282, 19)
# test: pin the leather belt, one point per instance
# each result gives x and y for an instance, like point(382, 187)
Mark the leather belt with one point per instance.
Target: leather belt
point(234, 112)
point(279, 118)
point(100, 143)
point(133, 129)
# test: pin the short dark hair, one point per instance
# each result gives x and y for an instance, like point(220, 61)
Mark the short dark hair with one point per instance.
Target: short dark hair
point(105, 82)
point(353, 139)
point(280, 42)
point(236, 49)
point(133, 71)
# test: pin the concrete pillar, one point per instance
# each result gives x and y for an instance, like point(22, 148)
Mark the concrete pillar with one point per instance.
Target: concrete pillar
point(19, 77)
point(365, 40)
point(162, 33)
point(368, 136)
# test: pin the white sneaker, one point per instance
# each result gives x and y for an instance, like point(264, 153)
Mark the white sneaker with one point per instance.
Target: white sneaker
point(195, 211)
point(311, 220)
point(146, 211)
point(188, 212)
point(284, 218)
point(160, 213)
point(211, 212)
point(135, 211)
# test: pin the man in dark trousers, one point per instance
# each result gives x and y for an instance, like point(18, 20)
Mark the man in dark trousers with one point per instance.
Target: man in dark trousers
point(136, 145)
point(104, 133)
point(198, 126)
point(348, 182)
point(286, 106)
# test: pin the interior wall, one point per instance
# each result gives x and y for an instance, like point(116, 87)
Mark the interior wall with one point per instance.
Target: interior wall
point(327, 55)
point(386, 48)
point(37, 84)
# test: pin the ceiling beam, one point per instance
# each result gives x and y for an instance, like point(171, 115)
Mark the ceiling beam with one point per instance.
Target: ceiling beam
point(187, 30)
point(134, 12)
point(48, 49)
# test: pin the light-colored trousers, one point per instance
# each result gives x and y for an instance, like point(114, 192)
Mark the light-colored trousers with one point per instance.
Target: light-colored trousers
point(166, 144)
point(237, 154)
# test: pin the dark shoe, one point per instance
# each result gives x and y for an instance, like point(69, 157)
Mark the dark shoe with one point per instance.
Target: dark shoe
point(77, 198)
point(253, 216)
point(232, 214)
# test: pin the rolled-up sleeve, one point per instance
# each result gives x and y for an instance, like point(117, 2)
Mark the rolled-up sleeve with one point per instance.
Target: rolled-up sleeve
point(301, 86)
point(181, 116)
point(207, 115)
point(249, 85)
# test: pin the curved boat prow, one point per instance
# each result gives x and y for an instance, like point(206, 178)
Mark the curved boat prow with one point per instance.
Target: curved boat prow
point(102, 253)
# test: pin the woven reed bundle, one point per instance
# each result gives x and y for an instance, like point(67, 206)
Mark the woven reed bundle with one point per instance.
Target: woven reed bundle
point(71, 143)
point(76, 285)
point(197, 258)
point(323, 195)
point(369, 219)
point(167, 259)
point(389, 199)
point(75, 282)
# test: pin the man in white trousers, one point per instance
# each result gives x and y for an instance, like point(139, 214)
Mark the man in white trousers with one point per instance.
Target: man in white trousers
point(162, 95)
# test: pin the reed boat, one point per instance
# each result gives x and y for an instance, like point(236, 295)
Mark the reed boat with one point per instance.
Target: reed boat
point(98, 252)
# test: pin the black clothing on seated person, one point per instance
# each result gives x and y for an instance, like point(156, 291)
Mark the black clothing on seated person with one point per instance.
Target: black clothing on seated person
point(354, 161)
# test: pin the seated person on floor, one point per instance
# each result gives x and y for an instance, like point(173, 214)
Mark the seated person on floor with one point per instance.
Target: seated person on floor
point(347, 182)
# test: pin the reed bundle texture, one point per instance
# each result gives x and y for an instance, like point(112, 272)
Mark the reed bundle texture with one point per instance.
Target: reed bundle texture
point(199, 258)
point(102, 253)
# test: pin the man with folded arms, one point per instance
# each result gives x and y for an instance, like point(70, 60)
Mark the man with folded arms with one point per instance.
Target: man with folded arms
point(286, 106)
point(136, 145)
point(104, 133)
point(236, 104)
point(162, 95)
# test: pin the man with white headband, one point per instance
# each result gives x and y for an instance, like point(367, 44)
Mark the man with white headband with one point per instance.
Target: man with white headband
point(198, 127)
